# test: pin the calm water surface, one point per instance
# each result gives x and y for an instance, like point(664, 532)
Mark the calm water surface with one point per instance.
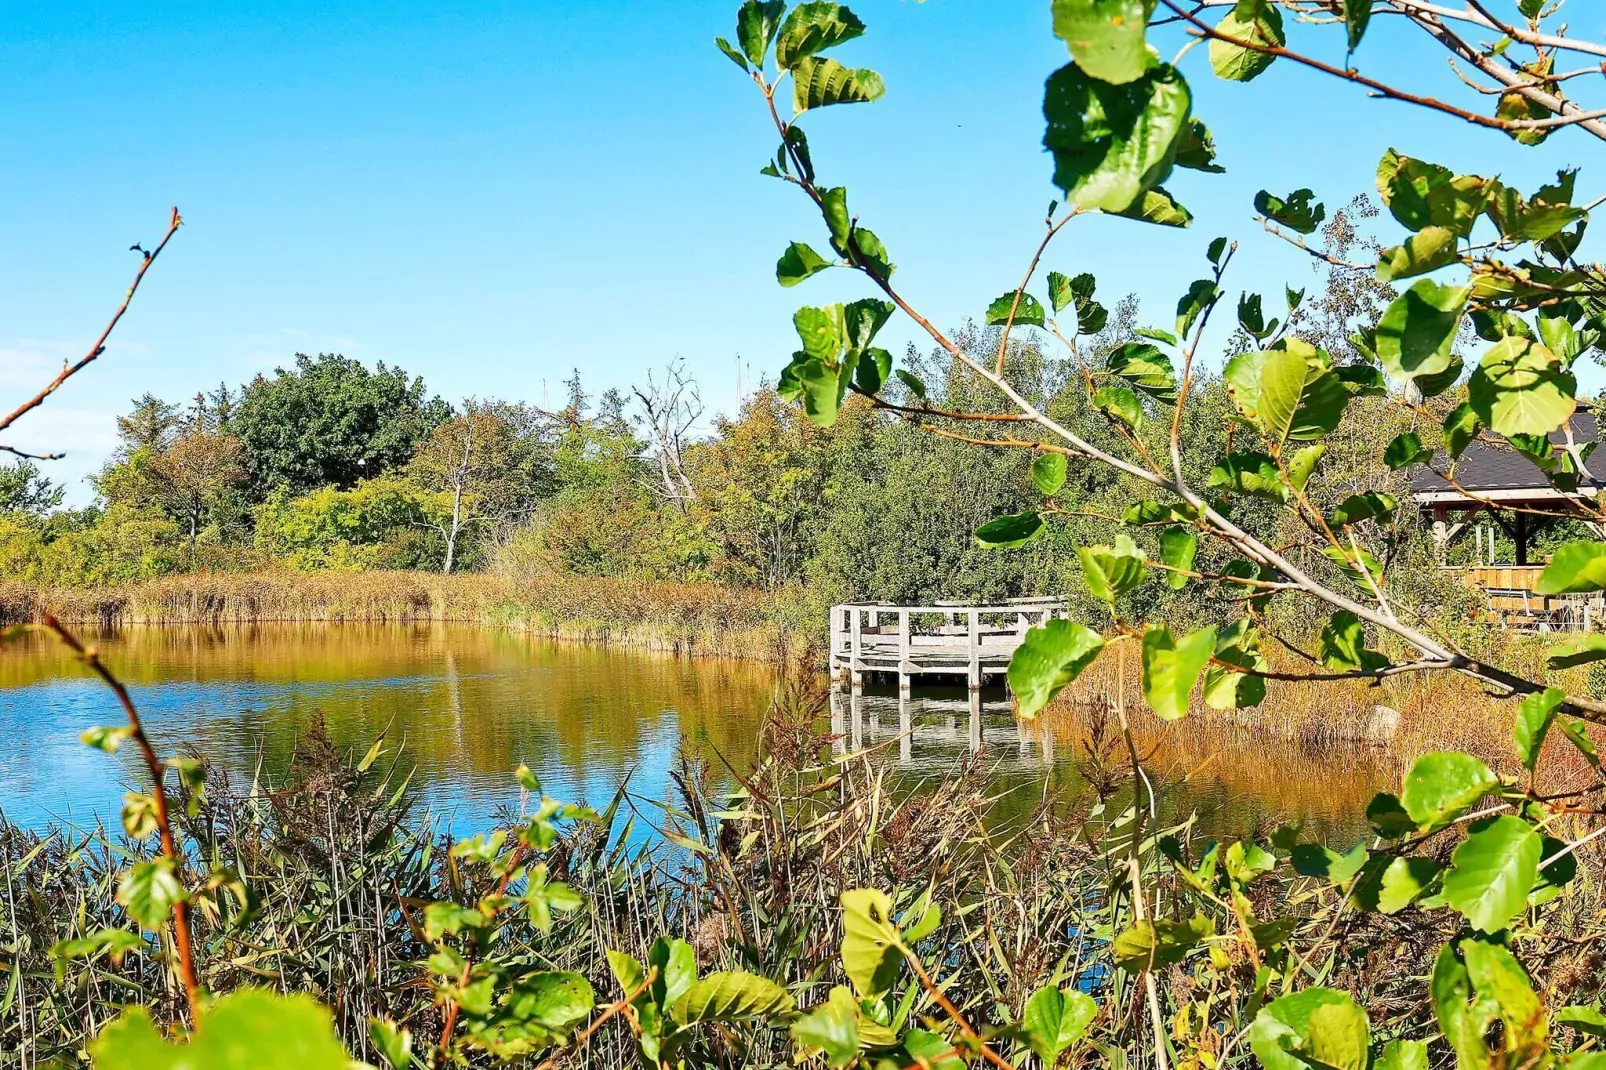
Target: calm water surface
point(468, 704)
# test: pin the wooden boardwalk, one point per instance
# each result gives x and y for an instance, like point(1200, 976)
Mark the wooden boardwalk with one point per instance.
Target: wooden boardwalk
point(973, 640)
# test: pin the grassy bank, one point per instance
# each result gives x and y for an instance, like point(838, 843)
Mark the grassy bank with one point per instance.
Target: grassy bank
point(701, 619)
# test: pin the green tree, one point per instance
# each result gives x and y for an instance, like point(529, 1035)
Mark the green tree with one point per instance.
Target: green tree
point(25, 489)
point(331, 421)
point(492, 465)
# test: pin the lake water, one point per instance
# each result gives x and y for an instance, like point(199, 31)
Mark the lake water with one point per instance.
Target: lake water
point(467, 704)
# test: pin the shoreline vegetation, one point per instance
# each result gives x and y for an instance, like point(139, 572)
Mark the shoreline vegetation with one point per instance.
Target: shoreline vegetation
point(690, 619)
point(1323, 720)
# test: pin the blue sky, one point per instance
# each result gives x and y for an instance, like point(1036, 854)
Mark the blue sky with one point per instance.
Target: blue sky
point(492, 194)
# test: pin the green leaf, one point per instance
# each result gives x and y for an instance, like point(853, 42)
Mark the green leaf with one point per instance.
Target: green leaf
point(1387, 817)
point(831, 1028)
point(1580, 650)
point(1178, 545)
point(872, 950)
point(1299, 398)
point(1239, 647)
point(1112, 143)
point(1442, 784)
point(1497, 975)
point(1584, 1019)
point(1521, 388)
point(1027, 313)
point(1423, 195)
point(1344, 645)
point(1357, 13)
point(834, 209)
point(1575, 568)
point(735, 56)
point(913, 382)
point(1050, 657)
point(549, 1004)
point(1191, 305)
point(1048, 472)
point(1105, 37)
point(1315, 1027)
point(1009, 530)
point(1054, 1020)
point(1111, 571)
point(1461, 427)
point(818, 83)
point(106, 738)
point(1418, 329)
point(866, 251)
point(872, 369)
point(1427, 250)
point(1158, 207)
point(1303, 463)
point(813, 27)
point(1263, 27)
point(248, 1029)
point(1362, 380)
point(1060, 294)
point(393, 1042)
point(676, 962)
point(756, 23)
point(1249, 473)
point(1492, 871)
point(1146, 368)
point(148, 889)
point(1196, 150)
point(1395, 884)
point(732, 996)
point(1368, 505)
point(1405, 450)
point(1119, 403)
point(1464, 1020)
point(1295, 211)
point(798, 263)
point(1148, 944)
point(1533, 723)
point(1171, 667)
point(1315, 860)
point(1578, 733)
point(929, 1051)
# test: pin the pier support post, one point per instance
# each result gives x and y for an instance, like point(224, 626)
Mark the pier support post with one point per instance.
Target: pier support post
point(973, 636)
point(856, 655)
point(905, 666)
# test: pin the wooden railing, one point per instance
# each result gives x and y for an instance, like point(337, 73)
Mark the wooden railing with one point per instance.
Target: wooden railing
point(944, 637)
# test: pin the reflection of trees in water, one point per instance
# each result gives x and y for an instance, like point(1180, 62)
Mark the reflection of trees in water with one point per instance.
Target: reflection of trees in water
point(468, 701)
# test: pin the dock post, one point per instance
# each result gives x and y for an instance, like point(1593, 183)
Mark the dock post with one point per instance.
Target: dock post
point(973, 628)
point(835, 661)
point(856, 662)
point(905, 729)
point(905, 668)
point(839, 743)
point(856, 719)
point(975, 721)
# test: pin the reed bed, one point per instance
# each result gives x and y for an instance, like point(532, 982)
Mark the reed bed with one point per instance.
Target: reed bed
point(685, 618)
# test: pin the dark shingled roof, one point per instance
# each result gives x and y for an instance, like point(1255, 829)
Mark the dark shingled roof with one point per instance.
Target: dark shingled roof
point(1486, 466)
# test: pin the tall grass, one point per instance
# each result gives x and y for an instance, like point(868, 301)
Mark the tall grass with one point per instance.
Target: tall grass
point(343, 864)
point(681, 617)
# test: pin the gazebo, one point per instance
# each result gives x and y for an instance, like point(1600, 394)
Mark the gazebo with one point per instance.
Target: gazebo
point(1492, 489)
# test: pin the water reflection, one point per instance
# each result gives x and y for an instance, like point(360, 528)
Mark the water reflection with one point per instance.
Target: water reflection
point(467, 704)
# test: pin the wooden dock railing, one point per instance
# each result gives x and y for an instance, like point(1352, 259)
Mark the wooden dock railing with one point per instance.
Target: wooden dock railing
point(944, 638)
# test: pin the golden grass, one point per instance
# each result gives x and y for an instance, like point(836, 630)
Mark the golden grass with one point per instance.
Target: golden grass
point(1326, 723)
point(684, 618)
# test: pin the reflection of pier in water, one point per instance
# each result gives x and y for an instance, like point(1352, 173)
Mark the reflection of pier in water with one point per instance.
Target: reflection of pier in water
point(947, 721)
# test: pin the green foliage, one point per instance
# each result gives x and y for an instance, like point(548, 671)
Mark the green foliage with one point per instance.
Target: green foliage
point(330, 421)
point(1106, 36)
point(1052, 656)
point(1295, 211)
point(1261, 27)
point(245, 1030)
point(1171, 668)
point(1112, 143)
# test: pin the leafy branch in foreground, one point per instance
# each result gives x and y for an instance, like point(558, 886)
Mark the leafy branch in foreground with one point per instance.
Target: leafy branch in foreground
point(1119, 122)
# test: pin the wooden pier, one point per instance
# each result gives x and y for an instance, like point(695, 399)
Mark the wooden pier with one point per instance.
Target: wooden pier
point(968, 639)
